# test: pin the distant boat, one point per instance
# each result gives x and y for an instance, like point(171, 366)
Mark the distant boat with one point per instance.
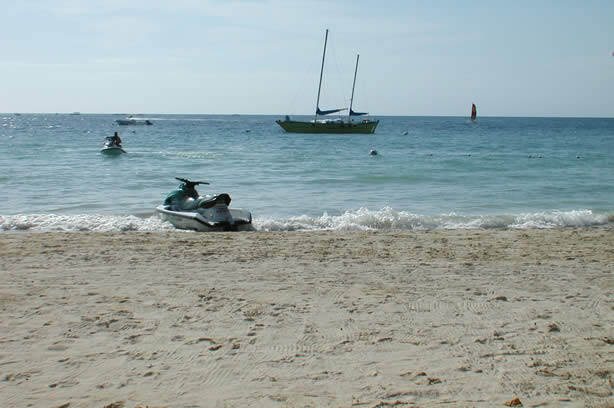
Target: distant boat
point(331, 125)
point(133, 121)
point(474, 111)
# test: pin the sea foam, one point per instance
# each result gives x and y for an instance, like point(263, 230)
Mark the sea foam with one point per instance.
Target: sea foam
point(75, 223)
point(363, 219)
point(387, 219)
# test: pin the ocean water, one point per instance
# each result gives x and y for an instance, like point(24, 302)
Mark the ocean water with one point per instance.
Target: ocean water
point(430, 172)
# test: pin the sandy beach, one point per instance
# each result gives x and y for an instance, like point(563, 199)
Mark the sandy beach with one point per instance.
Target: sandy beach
point(461, 318)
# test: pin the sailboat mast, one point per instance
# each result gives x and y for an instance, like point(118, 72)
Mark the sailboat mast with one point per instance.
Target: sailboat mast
point(321, 72)
point(353, 85)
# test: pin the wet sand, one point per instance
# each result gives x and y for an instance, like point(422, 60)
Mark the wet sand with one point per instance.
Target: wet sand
point(463, 318)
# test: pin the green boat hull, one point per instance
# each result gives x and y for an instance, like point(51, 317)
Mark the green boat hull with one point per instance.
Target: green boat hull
point(328, 127)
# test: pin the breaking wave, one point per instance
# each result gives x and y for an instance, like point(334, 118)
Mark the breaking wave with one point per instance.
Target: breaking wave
point(363, 219)
point(389, 219)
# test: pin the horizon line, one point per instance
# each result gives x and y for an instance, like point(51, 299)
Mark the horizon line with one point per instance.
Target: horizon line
point(76, 113)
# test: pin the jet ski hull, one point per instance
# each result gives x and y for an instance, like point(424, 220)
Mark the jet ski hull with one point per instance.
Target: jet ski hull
point(241, 220)
point(112, 151)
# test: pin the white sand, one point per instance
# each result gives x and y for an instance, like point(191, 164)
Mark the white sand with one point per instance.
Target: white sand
point(364, 319)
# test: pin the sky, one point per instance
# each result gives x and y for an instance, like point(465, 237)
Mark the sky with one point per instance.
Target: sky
point(510, 58)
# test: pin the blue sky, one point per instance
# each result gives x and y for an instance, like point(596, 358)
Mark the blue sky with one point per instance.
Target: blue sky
point(512, 58)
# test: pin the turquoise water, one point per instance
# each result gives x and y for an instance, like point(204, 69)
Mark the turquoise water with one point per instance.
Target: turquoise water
point(430, 172)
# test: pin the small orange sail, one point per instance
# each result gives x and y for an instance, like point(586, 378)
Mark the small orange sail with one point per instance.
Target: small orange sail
point(474, 111)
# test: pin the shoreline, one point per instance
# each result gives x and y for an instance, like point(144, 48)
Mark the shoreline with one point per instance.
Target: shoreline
point(361, 220)
point(429, 318)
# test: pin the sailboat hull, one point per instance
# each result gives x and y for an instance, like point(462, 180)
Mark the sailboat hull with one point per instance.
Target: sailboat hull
point(328, 127)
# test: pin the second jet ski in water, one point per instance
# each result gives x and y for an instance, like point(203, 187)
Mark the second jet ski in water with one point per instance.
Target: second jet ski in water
point(186, 209)
point(112, 145)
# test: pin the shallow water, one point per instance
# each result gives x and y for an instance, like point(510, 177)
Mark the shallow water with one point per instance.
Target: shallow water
point(430, 172)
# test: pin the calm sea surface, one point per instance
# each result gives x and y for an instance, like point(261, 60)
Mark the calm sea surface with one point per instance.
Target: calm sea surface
point(430, 172)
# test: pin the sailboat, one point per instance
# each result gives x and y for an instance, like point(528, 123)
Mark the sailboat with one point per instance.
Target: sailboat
point(474, 111)
point(331, 125)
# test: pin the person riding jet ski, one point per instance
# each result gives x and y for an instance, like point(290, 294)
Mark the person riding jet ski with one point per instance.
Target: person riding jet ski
point(116, 139)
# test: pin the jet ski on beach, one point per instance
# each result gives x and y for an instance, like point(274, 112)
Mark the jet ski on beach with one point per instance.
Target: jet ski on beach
point(186, 209)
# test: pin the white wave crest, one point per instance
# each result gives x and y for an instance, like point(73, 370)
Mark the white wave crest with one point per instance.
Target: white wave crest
point(362, 219)
point(73, 223)
point(553, 219)
point(389, 219)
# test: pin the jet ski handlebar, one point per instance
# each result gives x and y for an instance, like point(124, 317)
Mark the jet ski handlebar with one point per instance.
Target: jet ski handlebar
point(190, 183)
